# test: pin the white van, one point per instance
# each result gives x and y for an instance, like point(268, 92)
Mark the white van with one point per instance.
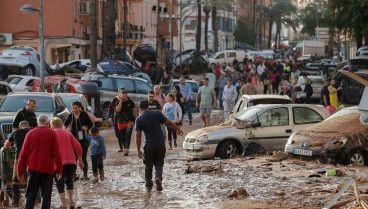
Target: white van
point(227, 56)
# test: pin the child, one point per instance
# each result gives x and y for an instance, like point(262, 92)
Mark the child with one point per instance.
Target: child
point(173, 112)
point(98, 153)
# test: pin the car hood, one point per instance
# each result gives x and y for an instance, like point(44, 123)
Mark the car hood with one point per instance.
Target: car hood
point(212, 130)
point(331, 131)
point(10, 115)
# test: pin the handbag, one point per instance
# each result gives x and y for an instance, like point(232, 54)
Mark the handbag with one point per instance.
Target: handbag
point(266, 82)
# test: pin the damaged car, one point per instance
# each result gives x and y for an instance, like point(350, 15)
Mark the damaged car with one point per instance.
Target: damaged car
point(343, 138)
point(257, 129)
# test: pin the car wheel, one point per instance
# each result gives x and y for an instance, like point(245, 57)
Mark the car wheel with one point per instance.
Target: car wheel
point(228, 150)
point(357, 158)
point(105, 113)
point(28, 71)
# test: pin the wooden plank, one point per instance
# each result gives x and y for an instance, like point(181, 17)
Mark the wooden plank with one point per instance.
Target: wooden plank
point(338, 195)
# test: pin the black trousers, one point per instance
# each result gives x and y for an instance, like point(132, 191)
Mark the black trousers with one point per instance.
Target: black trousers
point(171, 134)
point(36, 181)
point(85, 145)
point(124, 137)
point(97, 162)
point(275, 87)
point(265, 89)
point(66, 179)
point(153, 157)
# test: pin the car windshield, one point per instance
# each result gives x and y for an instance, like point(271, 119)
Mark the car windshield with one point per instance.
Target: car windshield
point(68, 100)
point(14, 103)
point(343, 112)
point(13, 80)
point(193, 85)
point(247, 114)
point(268, 101)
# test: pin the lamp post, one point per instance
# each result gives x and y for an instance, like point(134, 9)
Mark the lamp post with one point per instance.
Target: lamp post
point(28, 9)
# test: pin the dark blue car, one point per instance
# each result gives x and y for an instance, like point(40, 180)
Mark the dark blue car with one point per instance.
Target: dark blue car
point(114, 67)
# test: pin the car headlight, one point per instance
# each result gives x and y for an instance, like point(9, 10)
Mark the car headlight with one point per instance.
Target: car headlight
point(291, 139)
point(203, 138)
point(343, 139)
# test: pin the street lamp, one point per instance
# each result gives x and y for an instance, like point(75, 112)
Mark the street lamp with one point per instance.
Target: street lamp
point(29, 9)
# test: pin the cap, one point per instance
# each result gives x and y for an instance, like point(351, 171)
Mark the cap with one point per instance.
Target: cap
point(23, 122)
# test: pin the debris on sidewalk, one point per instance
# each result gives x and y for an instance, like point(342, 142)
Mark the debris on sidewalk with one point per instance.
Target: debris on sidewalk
point(203, 169)
point(240, 192)
point(298, 162)
point(277, 157)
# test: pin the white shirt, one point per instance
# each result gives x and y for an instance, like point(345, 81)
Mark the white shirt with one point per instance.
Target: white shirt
point(211, 79)
point(260, 69)
point(230, 93)
point(172, 111)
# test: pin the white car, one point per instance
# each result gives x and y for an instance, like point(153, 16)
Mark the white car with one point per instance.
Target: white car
point(81, 64)
point(21, 83)
point(20, 60)
point(5, 89)
point(270, 54)
point(362, 53)
point(257, 129)
point(254, 54)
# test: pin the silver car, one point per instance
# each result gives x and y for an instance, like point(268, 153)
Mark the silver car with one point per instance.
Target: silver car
point(21, 60)
point(254, 130)
point(317, 85)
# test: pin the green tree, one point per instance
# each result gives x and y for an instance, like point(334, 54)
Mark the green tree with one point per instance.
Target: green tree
point(244, 33)
point(309, 17)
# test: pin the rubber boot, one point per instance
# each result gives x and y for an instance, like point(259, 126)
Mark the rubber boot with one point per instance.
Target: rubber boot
point(95, 177)
point(102, 174)
point(16, 195)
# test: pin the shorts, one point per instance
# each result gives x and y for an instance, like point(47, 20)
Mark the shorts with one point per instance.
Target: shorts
point(205, 109)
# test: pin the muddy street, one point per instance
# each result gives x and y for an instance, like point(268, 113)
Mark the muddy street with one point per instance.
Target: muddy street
point(242, 182)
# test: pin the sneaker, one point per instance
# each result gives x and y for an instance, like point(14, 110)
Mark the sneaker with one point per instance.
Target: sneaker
point(159, 185)
point(126, 153)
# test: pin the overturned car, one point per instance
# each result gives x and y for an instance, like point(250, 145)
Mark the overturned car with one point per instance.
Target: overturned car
point(343, 138)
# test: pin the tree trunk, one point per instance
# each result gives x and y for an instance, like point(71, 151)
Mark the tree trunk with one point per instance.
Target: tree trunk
point(93, 35)
point(365, 37)
point(270, 24)
point(207, 14)
point(214, 28)
point(199, 26)
point(331, 41)
point(359, 40)
point(109, 29)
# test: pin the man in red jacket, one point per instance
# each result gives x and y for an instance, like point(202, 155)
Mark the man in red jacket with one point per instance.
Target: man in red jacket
point(39, 153)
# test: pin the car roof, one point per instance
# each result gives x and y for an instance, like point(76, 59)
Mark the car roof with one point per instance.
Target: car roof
point(31, 93)
point(70, 94)
point(271, 106)
point(265, 96)
point(187, 81)
point(115, 76)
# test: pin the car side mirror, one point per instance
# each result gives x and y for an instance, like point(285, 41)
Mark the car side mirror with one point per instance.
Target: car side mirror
point(256, 124)
point(60, 108)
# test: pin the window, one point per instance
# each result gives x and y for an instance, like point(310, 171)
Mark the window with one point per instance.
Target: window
point(126, 83)
point(143, 88)
point(106, 84)
point(220, 56)
point(230, 54)
point(275, 117)
point(304, 115)
point(240, 106)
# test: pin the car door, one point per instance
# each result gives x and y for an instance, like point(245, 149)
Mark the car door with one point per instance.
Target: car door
point(108, 89)
point(276, 129)
point(304, 117)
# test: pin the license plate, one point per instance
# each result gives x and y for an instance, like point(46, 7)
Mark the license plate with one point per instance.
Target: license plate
point(303, 152)
point(188, 146)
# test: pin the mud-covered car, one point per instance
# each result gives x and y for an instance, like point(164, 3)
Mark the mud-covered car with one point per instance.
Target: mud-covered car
point(256, 129)
point(343, 137)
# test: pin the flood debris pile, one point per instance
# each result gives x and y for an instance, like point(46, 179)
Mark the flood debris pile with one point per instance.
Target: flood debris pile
point(277, 157)
point(347, 125)
point(204, 169)
point(240, 192)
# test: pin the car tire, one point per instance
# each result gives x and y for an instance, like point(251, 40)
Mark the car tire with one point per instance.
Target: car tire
point(105, 113)
point(28, 71)
point(357, 157)
point(228, 149)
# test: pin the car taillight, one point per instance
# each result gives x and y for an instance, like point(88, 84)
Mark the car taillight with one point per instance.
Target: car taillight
point(116, 63)
point(26, 54)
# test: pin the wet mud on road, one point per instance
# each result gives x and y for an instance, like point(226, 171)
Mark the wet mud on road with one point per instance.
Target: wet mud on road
point(208, 183)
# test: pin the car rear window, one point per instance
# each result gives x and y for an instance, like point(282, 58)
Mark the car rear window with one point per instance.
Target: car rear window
point(268, 101)
point(14, 80)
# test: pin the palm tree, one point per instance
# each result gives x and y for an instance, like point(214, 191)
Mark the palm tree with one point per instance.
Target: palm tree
point(206, 10)
point(109, 29)
point(199, 26)
point(93, 35)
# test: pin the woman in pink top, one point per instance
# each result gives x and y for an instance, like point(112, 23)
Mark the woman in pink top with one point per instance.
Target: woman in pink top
point(254, 81)
point(275, 77)
point(67, 144)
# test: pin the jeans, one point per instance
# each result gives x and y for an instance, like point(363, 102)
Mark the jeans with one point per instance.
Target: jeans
point(85, 145)
point(171, 134)
point(221, 92)
point(188, 106)
point(67, 178)
point(124, 138)
point(153, 156)
point(228, 107)
point(97, 162)
point(38, 181)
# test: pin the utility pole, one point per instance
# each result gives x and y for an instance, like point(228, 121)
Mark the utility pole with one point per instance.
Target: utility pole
point(125, 27)
point(157, 32)
point(172, 31)
point(103, 30)
point(181, 11)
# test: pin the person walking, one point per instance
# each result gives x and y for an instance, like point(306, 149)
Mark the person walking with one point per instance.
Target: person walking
point(186, 91)
point(127, 113)
point(229, 97)
point(221, 83)
point(308, 89)
point(334, 100)
point(179, 99)
point(41, 154)
point(154, 149)
point(98, 154)
point(160, 97)
point(248, 88)
point(275, 80)
point(211, 77)
point(265, 78)
point(260, 69)
point(152, 103)
point(78, 124)
point(27, 113)
point(173, 112)
point(113, 116)
point(17, 138)
point(325, 97)
point(68, 146)
point(205, 94)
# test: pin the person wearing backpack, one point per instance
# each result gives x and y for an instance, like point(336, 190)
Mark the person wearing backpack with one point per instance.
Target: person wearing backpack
point(173, 112)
